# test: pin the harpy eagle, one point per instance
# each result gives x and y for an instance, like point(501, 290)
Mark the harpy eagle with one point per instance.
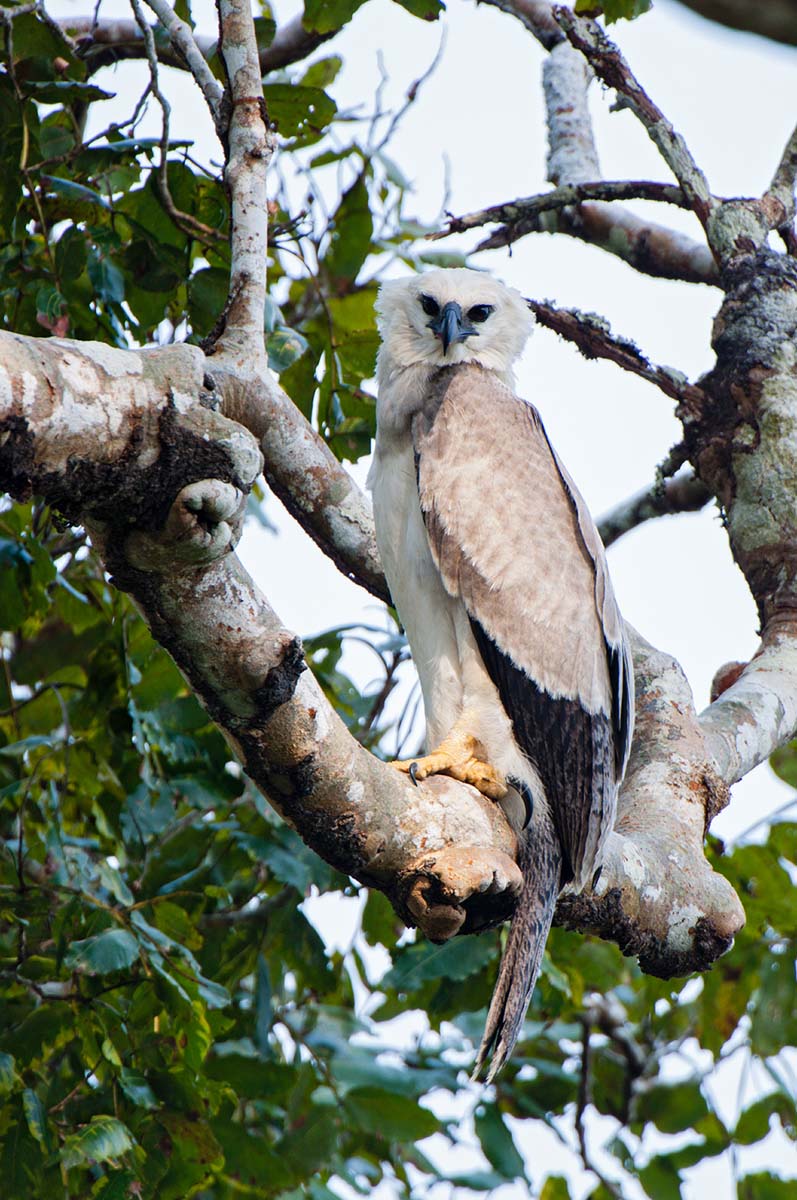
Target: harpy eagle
point(500, 579)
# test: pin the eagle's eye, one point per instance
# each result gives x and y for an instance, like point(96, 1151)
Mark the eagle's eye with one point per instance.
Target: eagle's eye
point(430, 306)
point(479, 313)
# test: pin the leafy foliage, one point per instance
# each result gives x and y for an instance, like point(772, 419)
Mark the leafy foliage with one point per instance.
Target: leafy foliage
point(172, 1024)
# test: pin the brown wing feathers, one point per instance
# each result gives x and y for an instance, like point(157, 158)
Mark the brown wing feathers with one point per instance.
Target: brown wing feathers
point(543, 614)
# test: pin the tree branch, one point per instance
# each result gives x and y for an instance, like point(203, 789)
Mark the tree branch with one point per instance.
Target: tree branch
point(593, 337)
point(776, 21)
point(684, 493)
point(250, 146)
point(563, 197)
point(107, 40)
point(182, 39)
point(573, 159)
point(609, 65)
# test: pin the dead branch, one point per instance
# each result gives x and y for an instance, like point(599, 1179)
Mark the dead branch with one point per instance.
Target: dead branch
point(684, 493)
point(594, 338)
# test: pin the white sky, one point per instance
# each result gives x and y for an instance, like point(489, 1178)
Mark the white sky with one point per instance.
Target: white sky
point(483, 111)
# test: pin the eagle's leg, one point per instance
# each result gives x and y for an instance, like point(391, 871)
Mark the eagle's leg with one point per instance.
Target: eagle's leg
point(462, 756)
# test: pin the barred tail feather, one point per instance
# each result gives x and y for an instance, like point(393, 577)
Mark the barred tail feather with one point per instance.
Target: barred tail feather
point(541, 863)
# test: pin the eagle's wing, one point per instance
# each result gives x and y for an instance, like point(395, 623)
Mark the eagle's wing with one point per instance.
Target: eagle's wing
point(512, 537)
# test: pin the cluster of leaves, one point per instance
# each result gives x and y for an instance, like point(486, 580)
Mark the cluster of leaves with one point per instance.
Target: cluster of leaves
point(172, 1024)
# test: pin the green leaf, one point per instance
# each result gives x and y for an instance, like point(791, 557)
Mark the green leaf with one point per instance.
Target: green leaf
point(75, 191)
point(300, 112)
point(322, 73)
point(352, 230)
point(774, 1021)
point(8, 1075)
point(61, 90)
point(455, 960)
point(765, 1186)
point(672, 1107)
point(615, 10)
point(326, 16)
point(395, 1118)
point(113, 950)
point(36, 1117)
point(555, 1188)
point(284, 347)
point(498, 1144)
point(104, 1139)
point(137, 1090)
point(427, 10)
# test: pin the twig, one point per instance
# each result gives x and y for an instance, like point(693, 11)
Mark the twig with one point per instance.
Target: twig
point(182, 39)
point(609, 65)
point(184, 220)
point(563, 197)
point(684, 493)
point(593, 337)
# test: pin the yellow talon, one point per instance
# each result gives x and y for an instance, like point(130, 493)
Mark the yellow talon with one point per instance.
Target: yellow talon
point(461, 757)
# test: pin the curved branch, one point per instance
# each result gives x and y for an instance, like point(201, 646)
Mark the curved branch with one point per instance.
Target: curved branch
point(684, 493)
point(563, 197)
point(609, 65)
point(573, 159)
point(594, 338)
point(108, 39)
point(776, 21)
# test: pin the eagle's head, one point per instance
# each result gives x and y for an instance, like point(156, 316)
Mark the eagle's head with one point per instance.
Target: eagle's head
point(452, 316)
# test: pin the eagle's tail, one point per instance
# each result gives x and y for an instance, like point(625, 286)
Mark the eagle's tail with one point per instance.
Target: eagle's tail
point(541, 863)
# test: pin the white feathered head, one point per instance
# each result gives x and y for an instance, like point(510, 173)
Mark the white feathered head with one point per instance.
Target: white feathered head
point(449, 316)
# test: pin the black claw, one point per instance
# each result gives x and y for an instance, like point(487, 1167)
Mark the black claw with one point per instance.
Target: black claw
point(596, 877)
point(526, 796)
point(414, 773)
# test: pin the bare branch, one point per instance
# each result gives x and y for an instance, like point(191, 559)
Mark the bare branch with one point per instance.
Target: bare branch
point(302, 470)
point(187, 50)
point(535, 15)
point(573, 159)
point(777, 21)
point(649, 248)
point(572, 152)
point(109, 39)
point(250, 146)
point(183, 220)
point(609, 65)
point(782, 186)
point(758, 713)
point(593, 337)
point(563, 197)
point(684, 493)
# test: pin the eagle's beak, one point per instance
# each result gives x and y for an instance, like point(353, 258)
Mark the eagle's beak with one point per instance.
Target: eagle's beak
point(450, 325)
